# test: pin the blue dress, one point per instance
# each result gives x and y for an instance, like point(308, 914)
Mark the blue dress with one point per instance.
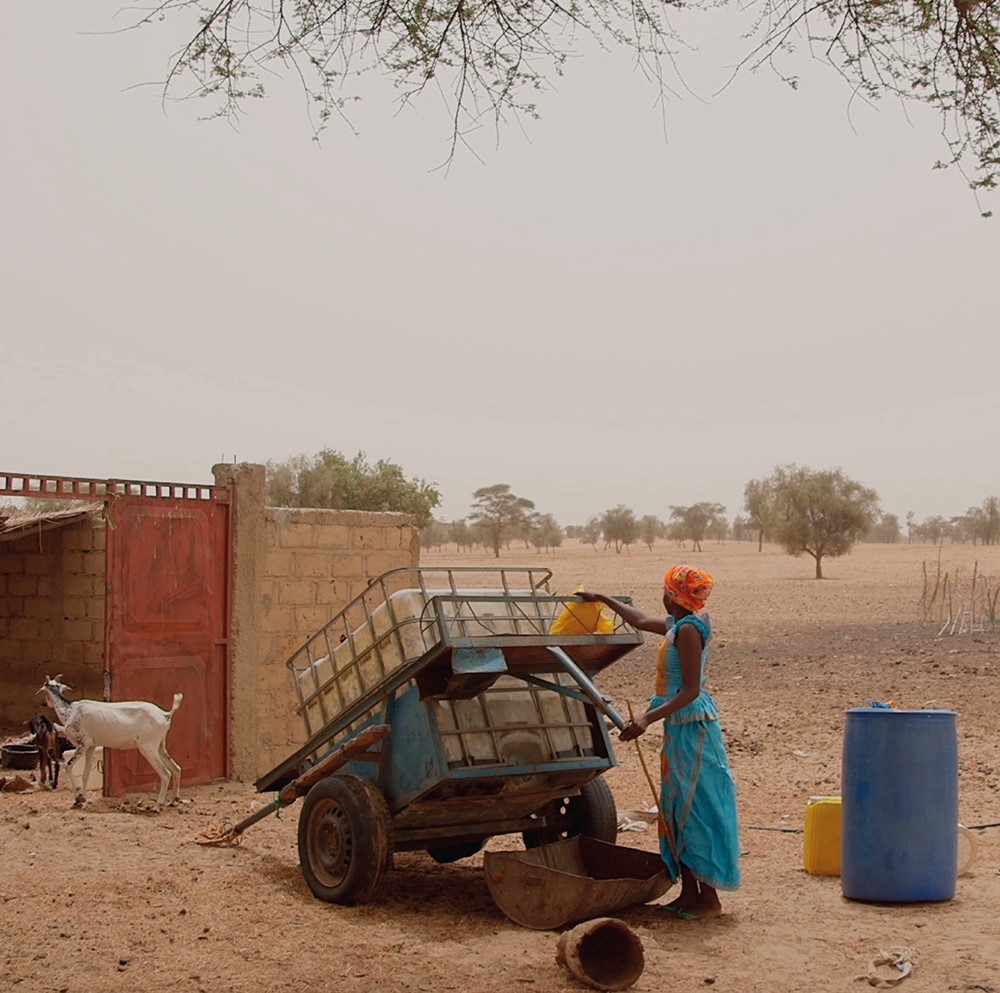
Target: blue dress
point(697, 822)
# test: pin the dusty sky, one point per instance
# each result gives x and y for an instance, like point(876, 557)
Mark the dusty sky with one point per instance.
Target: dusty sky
point(624, 302)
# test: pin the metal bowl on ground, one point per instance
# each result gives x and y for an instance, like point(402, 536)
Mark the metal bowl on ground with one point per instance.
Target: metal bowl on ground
point(17, 756)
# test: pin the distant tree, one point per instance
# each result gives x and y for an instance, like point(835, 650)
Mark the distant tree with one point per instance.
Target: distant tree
point(718, 530)
point(741, 527)
point(619, 527)
point(525, 529)
point(984, 521)
point(991, 521)
point(964, 527)
point(650, 528)
point(590, 534)
point(45, 505)
point(461, 534)
point(758, 501)
point(911, 526)
point(546, 532)
point(886, 530)
point(498, 514)
point(695, 521)
point(328, 479)
point(434, 534)
point(820, 513)
point(933, 530)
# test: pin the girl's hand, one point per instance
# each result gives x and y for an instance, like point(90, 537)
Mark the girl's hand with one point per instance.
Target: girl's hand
point(634, 728)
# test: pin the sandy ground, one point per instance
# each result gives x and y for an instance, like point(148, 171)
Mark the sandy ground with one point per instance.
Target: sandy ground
point(112, 897)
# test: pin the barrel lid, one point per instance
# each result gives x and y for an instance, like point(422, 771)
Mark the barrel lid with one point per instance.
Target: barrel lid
point(891, 711)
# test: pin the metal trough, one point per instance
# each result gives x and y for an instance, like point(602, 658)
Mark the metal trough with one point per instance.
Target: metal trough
point(554, 885)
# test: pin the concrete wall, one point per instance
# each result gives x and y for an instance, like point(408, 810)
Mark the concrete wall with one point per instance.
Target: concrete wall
point(293, 570)
point(52, 594)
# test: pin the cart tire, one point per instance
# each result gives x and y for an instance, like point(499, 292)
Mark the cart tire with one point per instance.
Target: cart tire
point(592, 813)
point(452, 853)
point(345, 842)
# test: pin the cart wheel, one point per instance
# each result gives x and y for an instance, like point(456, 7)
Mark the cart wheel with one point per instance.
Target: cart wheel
point(344, 839)
point(452, 853)
point(592, 814)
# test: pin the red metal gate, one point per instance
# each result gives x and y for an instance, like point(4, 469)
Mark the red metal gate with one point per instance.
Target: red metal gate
point(166, 613)
point(167, 623)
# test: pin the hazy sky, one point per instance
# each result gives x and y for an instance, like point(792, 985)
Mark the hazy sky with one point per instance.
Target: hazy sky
point(599, 310)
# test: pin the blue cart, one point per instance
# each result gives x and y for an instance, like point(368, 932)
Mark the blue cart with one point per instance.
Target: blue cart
point(441, 708)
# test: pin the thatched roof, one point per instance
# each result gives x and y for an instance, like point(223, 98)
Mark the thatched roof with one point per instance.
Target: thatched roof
point(15, 523)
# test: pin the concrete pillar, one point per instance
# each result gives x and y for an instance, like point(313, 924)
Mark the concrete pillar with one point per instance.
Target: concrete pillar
point(247, 482)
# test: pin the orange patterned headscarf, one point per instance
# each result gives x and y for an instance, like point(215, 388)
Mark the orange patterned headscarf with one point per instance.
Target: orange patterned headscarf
point(688, 586)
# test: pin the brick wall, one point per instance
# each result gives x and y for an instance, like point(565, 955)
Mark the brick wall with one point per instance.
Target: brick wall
point(52, 593)
point(315, 563)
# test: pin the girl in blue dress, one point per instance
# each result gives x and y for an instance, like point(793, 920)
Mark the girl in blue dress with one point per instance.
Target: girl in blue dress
point(699, 839)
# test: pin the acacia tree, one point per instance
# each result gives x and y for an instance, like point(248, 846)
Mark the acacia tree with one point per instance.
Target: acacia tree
point(758, 502)
point(590, 533)
point(933, 530)
point(328, 479)
point(433, 534)
point(820, 513)
point(984, 521)
point(740, 526)
point(545, 532)
point(650, 528)
point(460, 533)
point(490, 60)
point(886, 530)
point(497, 514)
point(694, 522)
point(619, 527)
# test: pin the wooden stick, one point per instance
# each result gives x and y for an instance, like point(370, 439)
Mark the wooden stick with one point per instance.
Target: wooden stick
point(642, 762)
point(355, 748)
point(667, 832)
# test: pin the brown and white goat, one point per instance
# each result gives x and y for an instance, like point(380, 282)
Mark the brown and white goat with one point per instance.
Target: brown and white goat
point(90, 724)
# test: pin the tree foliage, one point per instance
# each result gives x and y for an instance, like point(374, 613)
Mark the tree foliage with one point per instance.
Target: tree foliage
point(650, 528)
point(460, 533)
point(488, 60)
point(498, 514)
point(619, 527)
point(886, 530)
point(933, 529)
point(758, 501)
point(694, 522)
point(328, 479)
point(819, 513)
point(545, 532)
point(984, 521)
point(590, 533)
point(434, 534)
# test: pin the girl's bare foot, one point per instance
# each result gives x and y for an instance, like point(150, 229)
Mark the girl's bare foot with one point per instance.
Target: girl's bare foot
point(705, 910)
point(681, 903)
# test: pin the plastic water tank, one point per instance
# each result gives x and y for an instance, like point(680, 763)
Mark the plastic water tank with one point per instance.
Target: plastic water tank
point(899, 838)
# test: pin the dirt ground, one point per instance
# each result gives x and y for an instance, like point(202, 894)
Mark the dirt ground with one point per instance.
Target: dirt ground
point(113, 897)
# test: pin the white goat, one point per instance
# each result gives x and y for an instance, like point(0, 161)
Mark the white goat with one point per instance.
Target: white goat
point(90, 724)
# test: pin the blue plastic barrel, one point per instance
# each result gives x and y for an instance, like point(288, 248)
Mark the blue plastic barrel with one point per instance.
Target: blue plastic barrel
point(899, 840)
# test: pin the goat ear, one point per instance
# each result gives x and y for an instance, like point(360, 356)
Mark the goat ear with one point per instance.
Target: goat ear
point(58, 678)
